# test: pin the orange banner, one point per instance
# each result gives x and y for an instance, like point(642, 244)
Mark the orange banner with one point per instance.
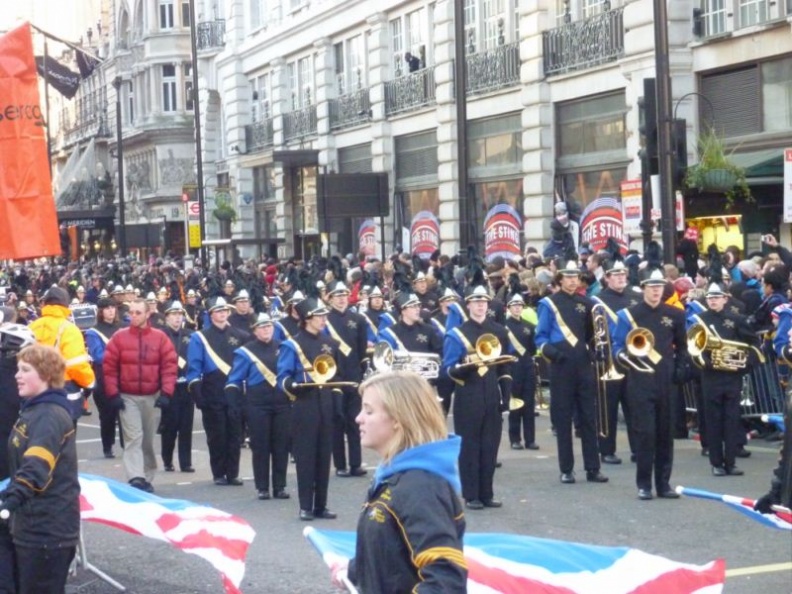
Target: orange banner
point(28, 221)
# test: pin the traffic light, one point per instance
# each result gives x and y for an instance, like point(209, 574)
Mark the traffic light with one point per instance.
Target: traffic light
point(679, 145)
point(647, 126)
point(189, 193)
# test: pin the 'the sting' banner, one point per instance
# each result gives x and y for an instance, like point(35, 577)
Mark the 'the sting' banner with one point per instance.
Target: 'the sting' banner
point(28, 221)
point(601, 220)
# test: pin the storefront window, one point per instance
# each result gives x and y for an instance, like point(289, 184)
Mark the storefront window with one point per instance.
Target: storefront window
point(306, 220)
point(591, 131)
point(777, 95)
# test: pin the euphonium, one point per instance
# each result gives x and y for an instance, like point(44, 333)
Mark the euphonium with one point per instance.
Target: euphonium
point(639, 343)
point(322, 370)
point(385, 358)
point(726, 355)
point(488, 353)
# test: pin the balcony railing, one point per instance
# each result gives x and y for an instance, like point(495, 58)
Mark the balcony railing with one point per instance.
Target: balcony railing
point(299, 123)
point(583, 44)
point(258, 136)
point(350, 109)
point(493, 69)
point(211, 34)
point(409, 92)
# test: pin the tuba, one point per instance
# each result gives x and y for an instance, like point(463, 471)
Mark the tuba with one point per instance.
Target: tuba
point(322, 370)
point(726, 355)
point(488, 354)
point(385, 358)
point(639, 343)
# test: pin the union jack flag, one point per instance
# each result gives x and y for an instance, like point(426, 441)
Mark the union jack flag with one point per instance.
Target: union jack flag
point(781, 519)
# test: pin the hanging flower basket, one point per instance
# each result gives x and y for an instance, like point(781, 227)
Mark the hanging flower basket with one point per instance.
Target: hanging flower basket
point(718, 180)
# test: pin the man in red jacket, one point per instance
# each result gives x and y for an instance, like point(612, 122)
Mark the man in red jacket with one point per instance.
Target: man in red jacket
point(140, 368)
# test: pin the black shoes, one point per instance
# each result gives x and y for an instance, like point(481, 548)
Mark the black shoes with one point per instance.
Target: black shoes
point(667, 493)
point(225, 482)
point(263, 495)
point(531, 446)
point(743, 453)
point(306, 516)
point(611, 459)
point(142, 484)
point(358, 471)
point(595, 476)
point(324, 514)
point(734, 471)
point(188, 469)
point(568, 478)
point(644, 494)
point(492, 503)
point(474, 504)
point(343, 472)
point(705, 452)
point(718, 471)
point(517, 446)
point(108, 453)
point(281, 495)
point(169, 468)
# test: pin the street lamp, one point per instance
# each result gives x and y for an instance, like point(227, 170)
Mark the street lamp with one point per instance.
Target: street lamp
point(117, 82)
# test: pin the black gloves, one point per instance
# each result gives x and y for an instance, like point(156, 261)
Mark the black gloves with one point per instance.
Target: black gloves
point(116, 402)
point(554, 354)
point(682, 370)
point(162, 402)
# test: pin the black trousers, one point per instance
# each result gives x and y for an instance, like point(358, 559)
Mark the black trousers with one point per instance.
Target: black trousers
point(615, 394)
point(43, 570)
point(224, 439)
point(478, 422)
point(522, 422)
point(269, 428)
point(573, 394)
point(108, 419)
point(721, 398)
point(345, 430)
point(7, 561)
point(445, 389)
point(651, 398)
point(177, 422)
point(312, 442)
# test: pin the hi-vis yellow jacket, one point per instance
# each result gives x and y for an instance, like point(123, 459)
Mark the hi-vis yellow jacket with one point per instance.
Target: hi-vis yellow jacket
point(54, 329)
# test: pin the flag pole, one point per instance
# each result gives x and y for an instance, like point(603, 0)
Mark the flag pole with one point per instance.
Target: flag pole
point(47, 108)
point(71, 44)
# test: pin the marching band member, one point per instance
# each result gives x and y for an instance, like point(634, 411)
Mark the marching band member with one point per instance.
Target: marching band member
point(650, 392)
point(177, 418)
point(522, 421)
point(445, 386)
point(482, 393)
point(289, 325)
point(614, 297)
point(348, 328)
point(312, 408)
point(373, 312)
point(722, 389)
point(156, 319)
point(411, 334)
point(192, 312)
point(209, 358)
point(267, 408)
point(562, 336)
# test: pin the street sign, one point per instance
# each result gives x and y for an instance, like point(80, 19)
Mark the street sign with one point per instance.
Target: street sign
point(194, 209)
point(195, 235)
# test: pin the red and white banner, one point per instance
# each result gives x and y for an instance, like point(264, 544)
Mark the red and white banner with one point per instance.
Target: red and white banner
point(28, 221)
point(424, 234)
point(601, 220)
point(367, 237)
point(502, 232)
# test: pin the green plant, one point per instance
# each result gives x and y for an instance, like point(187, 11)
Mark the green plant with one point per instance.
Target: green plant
point(714, 161)
point(224, 211)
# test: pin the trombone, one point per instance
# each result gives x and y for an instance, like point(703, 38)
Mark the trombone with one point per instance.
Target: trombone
point(322, 371)
point(639, 344)
point(604, 365)
point(539, 398)
point(488, 354)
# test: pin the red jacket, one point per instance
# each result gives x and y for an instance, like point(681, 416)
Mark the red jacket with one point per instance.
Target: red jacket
point(140, 362)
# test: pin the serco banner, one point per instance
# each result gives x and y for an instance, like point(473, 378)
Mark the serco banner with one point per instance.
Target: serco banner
point(502, 232)
point(367, 237)
point(601, 220)
point(424, 234)
point(28, 221)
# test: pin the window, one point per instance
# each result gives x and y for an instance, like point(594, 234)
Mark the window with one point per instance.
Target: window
point(493, 16)
point(260, 98)
point(581, 9)
point(593, 7)
point(185, 14)
point(349, 65)
point(491, 23)
point(495, 145)
point(165, 15)
point(131, 102)
point(255, 14)
point(592, 125)
point(264, 183)
point(301, 83)
point(188, 88)
point(777, 95)
point(714, 16)
point(752, 12)
point(409, 34)
point(169, 87)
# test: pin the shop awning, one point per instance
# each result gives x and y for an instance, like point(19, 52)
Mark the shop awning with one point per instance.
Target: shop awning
point(762, 167)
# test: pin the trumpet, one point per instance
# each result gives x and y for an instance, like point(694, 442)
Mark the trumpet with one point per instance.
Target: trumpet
point(606, 369)
point(488, 353)
point(385, 358)
point(726, 355)
point(639, 344)
point(322, 370)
